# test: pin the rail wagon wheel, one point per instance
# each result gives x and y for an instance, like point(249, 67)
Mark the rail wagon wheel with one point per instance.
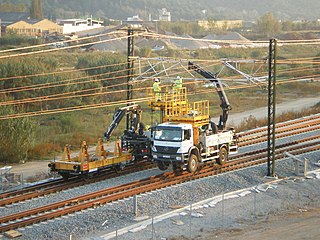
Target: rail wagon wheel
point(65, 175)
point(192, 164)
point(163, 165)
point(119, 167)
point(223, 155)
point(176, 166)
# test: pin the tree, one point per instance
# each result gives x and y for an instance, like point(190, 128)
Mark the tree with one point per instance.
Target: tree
point(9, 7)
point(36, 10)
point(16, 136)
point(268, 25)
point(112, 71)
point(287, 26)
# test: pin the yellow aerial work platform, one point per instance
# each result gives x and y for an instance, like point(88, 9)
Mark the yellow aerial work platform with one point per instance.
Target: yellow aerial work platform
point(175, 107)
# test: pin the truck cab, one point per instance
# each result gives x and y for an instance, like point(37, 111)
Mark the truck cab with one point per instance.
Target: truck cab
point(171, 143)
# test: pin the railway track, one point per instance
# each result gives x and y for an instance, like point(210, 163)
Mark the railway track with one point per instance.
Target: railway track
point(58, 185)
point(280, 125)
point(290, 128)
point(167, 179)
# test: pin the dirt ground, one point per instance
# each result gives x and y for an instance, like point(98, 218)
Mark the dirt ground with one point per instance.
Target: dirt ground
point(31, 169)
point(299, 225)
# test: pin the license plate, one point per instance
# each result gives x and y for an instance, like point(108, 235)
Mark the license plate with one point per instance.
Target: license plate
point(166, 156)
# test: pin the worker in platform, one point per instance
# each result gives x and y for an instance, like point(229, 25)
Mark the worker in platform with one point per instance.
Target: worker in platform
point(177, 84)
point(157, 89)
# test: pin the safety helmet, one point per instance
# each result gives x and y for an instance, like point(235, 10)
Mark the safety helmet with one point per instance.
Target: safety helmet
point(157, 79)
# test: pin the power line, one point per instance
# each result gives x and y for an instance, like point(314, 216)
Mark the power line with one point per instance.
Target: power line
point(65, 41)
point(118, 103)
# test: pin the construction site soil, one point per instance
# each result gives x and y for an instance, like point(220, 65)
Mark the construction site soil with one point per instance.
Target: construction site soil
point(295, 225)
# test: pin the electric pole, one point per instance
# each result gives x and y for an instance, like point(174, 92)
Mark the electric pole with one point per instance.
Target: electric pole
point(272, 108)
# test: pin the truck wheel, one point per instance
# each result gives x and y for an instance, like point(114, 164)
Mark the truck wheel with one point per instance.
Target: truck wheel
point(192, 163)
point(177, 167)
point(223, 156)
point(163, 165)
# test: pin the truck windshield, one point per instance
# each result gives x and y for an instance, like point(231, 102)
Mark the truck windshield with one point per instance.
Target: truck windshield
point(168, 134)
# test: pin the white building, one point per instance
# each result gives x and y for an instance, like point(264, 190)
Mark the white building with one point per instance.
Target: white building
point(134, 21)
point(77, 25)
point(164, 15)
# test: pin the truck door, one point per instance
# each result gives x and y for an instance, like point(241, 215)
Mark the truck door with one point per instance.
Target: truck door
point(187, 140)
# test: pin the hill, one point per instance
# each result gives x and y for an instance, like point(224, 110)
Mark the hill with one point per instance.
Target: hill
point(181, 10)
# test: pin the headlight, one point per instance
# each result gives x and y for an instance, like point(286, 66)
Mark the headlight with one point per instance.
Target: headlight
point(153, 148)
point(178, 158)
point(155, 156)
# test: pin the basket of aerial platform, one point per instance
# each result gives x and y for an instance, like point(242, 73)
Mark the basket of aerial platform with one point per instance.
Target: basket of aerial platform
point(176, 108)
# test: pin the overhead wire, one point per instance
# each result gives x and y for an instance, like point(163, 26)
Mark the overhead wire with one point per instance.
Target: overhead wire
point(66, 82)
point(287, 61)
point(82, 82)
point(157, 35)
point(139, 89)
point(65, 95)
point(61, 83)
point(115, 103)
point(65, 41)
point(40, 86)
point(60, 72)
point(66, 48)
point(73, 93)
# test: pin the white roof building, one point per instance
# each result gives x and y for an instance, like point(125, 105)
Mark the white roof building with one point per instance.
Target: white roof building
point(77, 25)
point(164, 15)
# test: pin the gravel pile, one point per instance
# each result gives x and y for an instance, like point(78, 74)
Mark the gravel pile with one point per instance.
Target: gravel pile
point(93, 223)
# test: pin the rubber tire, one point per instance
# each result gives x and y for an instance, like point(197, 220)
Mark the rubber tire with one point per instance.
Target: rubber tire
point(192, 165)
point(223, 156)
point(163, 166)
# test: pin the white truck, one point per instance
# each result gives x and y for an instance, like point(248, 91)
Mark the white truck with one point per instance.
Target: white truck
point(187, 140)
point(174, 144)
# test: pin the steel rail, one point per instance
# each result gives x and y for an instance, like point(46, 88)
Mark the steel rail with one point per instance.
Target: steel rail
point(60, 185)
point(140, 186)
point(52, 187)
point(280, 125)
point(281, 133)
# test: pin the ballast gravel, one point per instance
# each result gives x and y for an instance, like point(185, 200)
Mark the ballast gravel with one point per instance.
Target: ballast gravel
point(94, 223)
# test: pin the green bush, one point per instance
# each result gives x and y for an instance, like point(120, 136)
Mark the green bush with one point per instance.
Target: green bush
point(16, 137)
point(18, 40)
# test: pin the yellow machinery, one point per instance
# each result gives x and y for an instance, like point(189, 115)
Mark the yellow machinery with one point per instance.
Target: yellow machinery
point(175, 107)
point(84, 164)
point(134, 146)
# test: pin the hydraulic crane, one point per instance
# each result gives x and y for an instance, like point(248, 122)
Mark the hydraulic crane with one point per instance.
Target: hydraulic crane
point(225, 105)
point(133, 139)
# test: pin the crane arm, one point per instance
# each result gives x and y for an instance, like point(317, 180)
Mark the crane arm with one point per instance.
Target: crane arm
point(118, 116)
point(225, 105)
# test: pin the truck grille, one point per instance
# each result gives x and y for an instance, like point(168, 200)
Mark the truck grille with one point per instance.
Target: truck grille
point(167, 149)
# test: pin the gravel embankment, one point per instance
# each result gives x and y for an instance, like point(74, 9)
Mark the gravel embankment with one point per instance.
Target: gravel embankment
point(95, 222)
